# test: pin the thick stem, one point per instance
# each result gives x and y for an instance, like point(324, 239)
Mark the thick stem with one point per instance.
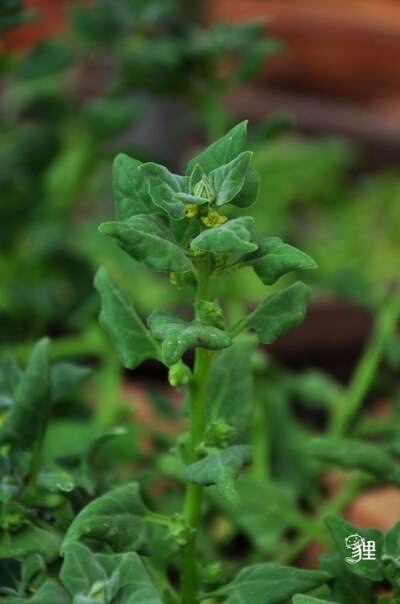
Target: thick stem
point(198, 417)
point(367, 367)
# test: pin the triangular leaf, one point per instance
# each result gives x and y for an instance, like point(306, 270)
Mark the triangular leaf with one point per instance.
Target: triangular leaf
point(359, 548)
point(232, 237)
point(26, 419)
point(148, 239)
point(230, 391)
point(222, 151)
point(178, 335)
point(228, 180)
point(80, 570)
point(117, 518)
point(250, 190)
point(130, 188)
point(163, 186)
point(280, 312)
point(131, 338)
point(273, 258)
point(270, 584)
point(221, 469)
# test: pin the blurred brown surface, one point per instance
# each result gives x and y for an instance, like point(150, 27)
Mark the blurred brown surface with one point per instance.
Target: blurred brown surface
point(344, 50)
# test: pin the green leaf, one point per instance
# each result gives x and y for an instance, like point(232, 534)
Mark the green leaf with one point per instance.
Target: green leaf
point(280, 312)
point(230, 391)
point(304, 599)
point(10, 375)
point(273, 258)
point(32, 540)
point(163, 186)
point(228, 180)
point(32, 567)
point(117, 518)
point(250, 190)
point(80, 570)
point(345, 585)
point(178, 335)
point(270, 584)
point(222, 151)
point(344, 534)
point(131, 338)
point(391, 546)
point(49, 593)
point(266, 513)
point(351, 454)
point(232, 237)
point(26, 419)
point(148, 239)
point(64, 377)
point(130, 188)
point(221, 469)
point(138, 592)
point(316, 389)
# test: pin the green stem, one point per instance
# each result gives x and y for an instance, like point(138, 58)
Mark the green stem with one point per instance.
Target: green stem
point(198, 416)
point(367, 367)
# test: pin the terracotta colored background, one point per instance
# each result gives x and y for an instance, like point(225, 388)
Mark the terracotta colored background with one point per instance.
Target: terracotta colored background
point(342, 49)
point(51, 18)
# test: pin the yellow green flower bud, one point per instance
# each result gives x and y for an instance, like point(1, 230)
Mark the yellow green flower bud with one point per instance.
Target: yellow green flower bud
point(213, 219)
point(191, 210)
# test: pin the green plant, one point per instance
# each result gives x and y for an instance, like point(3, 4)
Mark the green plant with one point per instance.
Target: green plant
point(175, 224)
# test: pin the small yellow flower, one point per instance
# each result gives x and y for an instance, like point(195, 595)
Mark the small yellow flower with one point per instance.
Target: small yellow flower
point(213, 219)
point(191, 210)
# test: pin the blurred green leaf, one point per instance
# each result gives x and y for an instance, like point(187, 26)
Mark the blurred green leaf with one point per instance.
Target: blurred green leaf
point(132, 340)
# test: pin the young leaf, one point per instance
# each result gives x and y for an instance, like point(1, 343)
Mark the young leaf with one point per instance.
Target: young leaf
point(345, 535)
point(228, 180)
point(351, 454)
point(64, 377)
point(148, 239)
point(345, 586)
point(130, 188)
point(178, 335)
point(270, 584)
point(80, 570)
point(49, 593)
point(273, 258)
point(163, 187)
point(221, 469)
point(25, 421)
point(250, 190)
point(117, 518)
point(222, 151)
point(280, 312)
point(230, 391)
point(131, 338)
point(232, 237)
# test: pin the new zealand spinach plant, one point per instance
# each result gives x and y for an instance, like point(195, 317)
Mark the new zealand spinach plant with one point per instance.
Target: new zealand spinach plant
point(180, 225)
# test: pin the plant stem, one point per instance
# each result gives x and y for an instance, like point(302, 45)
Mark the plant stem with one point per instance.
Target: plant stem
point(367, 367)
point(198, 416)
